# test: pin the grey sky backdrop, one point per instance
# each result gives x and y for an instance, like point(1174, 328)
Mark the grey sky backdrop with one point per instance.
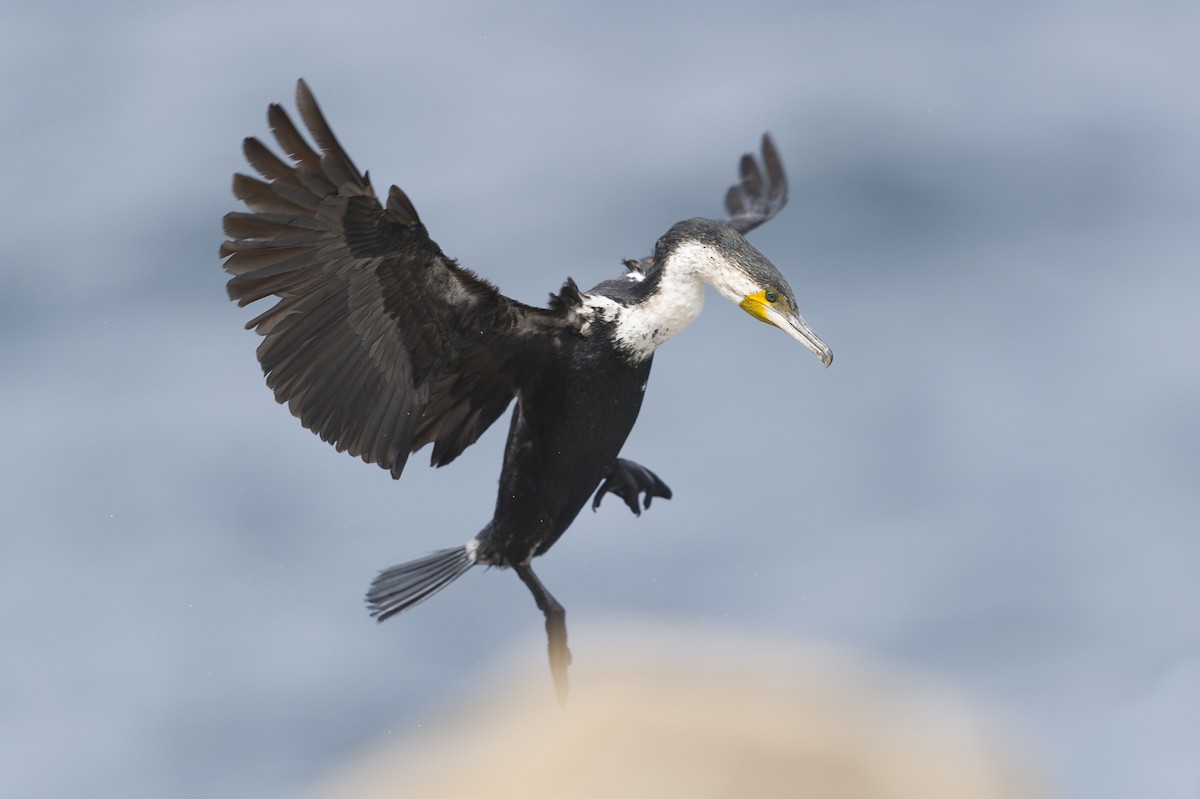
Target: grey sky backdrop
point(993, 224)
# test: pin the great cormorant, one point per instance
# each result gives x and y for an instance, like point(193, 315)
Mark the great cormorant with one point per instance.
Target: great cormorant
point(381, 344)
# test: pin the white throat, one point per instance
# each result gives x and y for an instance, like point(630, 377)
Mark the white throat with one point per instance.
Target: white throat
point(640, 329)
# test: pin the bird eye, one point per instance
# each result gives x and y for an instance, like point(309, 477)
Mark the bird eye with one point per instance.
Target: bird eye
point(772, 296)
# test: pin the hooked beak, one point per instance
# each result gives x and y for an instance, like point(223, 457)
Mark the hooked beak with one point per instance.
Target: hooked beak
point(794, 325)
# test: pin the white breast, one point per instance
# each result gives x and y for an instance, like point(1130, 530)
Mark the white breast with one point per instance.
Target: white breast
point(639, 329)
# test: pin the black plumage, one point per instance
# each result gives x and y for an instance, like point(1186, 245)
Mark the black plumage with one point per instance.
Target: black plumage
point(381, 344)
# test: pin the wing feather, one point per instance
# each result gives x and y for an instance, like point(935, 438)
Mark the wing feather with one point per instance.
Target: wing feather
point(272, 167)
point(376, 339)
point(760, 193)
point(309, 167)
point(336, 164)
point(260, 196)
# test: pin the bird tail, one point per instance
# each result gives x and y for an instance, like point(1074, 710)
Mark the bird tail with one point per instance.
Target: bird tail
point(400, 587)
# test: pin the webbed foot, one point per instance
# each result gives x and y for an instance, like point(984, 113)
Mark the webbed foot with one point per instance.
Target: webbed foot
point(627, 480)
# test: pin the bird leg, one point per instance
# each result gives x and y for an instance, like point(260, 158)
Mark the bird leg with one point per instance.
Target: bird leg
point(627, 480)
point(556, 629)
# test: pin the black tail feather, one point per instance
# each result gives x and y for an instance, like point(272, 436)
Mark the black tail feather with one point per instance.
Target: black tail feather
point(399, 588)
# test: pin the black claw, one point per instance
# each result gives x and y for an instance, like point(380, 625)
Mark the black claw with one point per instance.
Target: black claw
point(629, 480)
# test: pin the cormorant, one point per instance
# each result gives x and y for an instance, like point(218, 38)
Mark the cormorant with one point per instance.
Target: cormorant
point(381, 344)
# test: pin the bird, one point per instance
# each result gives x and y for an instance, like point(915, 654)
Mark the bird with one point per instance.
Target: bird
point(381, 344)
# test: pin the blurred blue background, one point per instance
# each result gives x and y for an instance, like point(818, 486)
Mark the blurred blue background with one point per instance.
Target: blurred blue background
point(993, 223)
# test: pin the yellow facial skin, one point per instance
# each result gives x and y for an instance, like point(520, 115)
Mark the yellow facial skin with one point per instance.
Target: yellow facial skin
point(757, 305)
point(770, 306)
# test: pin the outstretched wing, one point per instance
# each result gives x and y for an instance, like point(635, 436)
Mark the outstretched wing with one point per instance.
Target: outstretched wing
point(378, 342)
point(762, 191)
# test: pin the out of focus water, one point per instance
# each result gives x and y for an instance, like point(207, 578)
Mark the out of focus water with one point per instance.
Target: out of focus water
point(993, 224)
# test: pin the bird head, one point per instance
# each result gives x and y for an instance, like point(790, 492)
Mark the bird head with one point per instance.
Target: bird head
point(723, 258)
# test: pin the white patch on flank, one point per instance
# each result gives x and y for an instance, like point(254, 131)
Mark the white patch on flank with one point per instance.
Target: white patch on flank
point(635, 276)
point(603, 309)
point(472, 548)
